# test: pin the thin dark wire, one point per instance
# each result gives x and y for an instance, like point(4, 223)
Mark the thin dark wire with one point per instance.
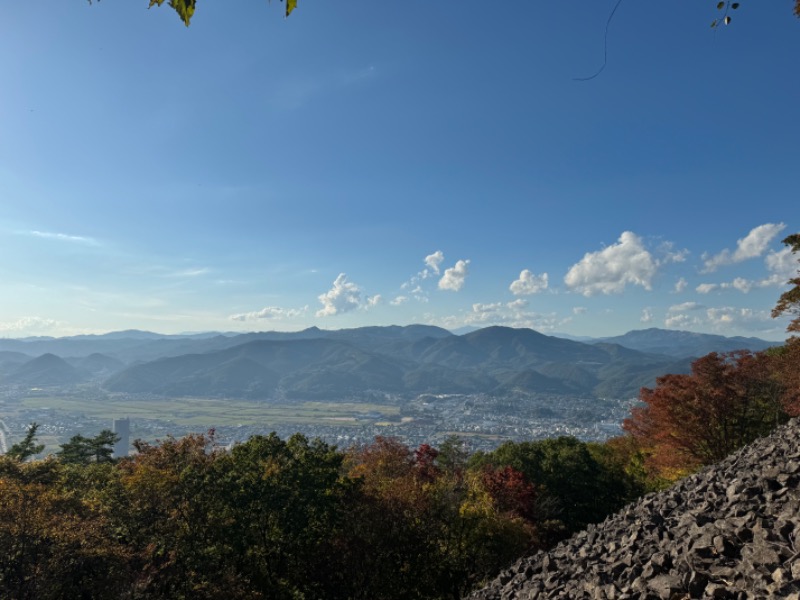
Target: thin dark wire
point(605, 46)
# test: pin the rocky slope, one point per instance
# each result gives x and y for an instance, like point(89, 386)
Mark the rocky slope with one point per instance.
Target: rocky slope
point(730, 531)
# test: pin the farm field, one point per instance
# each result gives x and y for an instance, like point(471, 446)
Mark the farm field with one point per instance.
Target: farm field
point(204, 412)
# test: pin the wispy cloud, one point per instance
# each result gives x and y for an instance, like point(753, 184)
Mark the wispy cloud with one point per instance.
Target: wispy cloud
point(270, 313)
point(293, 93)
point(63, 237)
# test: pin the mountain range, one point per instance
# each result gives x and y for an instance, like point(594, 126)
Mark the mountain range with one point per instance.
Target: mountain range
point(323, 364)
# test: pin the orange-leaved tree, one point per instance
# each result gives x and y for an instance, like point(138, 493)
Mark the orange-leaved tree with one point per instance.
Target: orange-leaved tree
point(727, 401)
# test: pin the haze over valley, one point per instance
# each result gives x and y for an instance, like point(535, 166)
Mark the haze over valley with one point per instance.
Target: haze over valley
point(420, 383)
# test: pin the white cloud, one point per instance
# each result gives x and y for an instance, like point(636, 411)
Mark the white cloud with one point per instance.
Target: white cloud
point(678, 319)
point(754, 244)
point(647, 316)
point(188, 273)
point(681, 321)
point(453, 278)
point(705, 288)
point(517, 304)
point(727, 320)
point(434, 261)
point(669, 255)
point(680, 285)
point(528, 283)
point(685, 306)
point(413, 285)
point(344, 296)
point(511, 314)
point(270, 313)
point(579, 310)
point(609, 270)
point(63, 237)
point(373, 301)
point(399, 300)
point(29, 326)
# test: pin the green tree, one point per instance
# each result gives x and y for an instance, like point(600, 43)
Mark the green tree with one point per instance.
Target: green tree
point(574, 488)
point(83, 450)
point(789, 301)
point(27, 447)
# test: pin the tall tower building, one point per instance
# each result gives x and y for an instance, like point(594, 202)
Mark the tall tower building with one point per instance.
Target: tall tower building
point(122, 427)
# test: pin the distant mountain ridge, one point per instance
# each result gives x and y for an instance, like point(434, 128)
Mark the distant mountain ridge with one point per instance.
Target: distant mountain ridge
point(684, 344)
point(319, 364)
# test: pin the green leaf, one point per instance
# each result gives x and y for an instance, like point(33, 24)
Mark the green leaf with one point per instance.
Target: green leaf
point(714, 23)
point(290, 6)
point(720, 5)
point(727, 20)
point(735, 5)
point(184, 8)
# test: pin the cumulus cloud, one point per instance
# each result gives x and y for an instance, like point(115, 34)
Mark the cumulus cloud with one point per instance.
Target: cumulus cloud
point(434, 261)
point(725, 319)
point(609, 270)
point(677, 317)
point(681, 321)
point(29, 326)
point(680, 285)
point(754, 244)
point(647, 316)
point(433, 268)
point(510, 314)
point(668, 254)
point(344, 296)
point(705, 288)
point(528, 283)
point(373, 301)
point(781, 272)
point(399, 300)
point(579, 310)
point(453, 278)
point(270, 313)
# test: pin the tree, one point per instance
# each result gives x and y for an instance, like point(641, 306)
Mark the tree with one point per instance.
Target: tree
point(789, 302)
point(83, 450)
point(23, 450)
point(726, 402)
point(573, 488)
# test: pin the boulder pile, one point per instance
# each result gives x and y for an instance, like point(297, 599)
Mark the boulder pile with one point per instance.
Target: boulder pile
point(731, 530)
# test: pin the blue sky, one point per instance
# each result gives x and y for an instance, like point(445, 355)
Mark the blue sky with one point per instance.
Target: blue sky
point(375, 163)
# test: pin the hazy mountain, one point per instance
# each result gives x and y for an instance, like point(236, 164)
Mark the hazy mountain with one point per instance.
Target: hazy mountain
point(46, 370)
point(9, 361)
point(684, 344)
point(316, 363)
point(417, 359)
point(97, 364)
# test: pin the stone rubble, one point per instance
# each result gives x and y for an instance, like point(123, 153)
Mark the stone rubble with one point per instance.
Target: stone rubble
point(730, 531)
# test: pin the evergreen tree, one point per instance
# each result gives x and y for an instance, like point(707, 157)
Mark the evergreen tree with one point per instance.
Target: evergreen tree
point(22, 451)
